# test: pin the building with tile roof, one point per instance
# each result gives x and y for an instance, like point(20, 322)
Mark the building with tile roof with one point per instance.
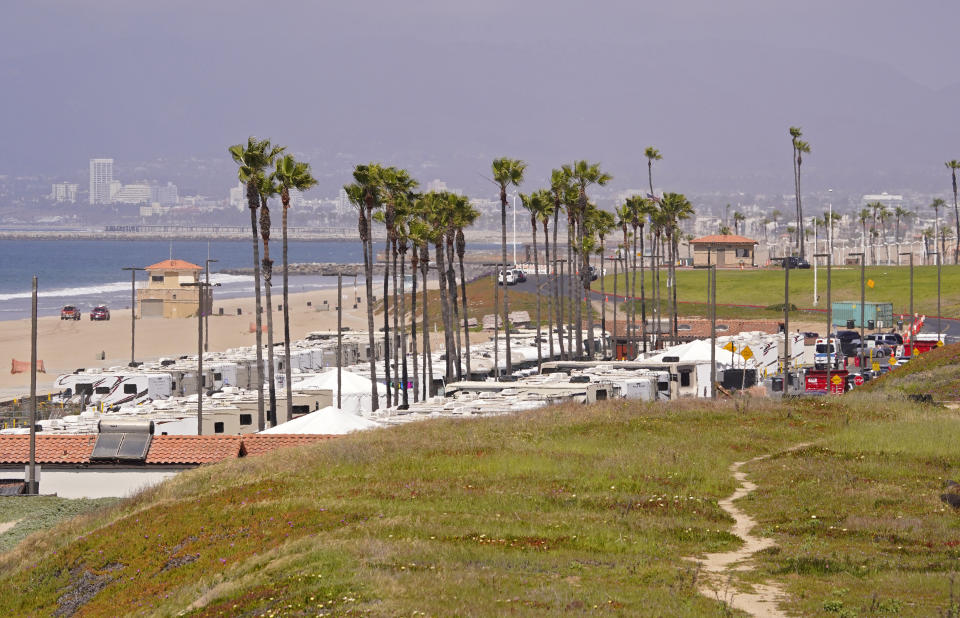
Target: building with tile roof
point(724, 251)
point(165, 296)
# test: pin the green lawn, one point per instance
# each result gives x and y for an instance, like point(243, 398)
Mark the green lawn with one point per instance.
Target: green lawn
point(571, 509)
point(764, 287)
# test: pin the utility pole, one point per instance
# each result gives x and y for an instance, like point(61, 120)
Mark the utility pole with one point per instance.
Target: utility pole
point(340, 340)
point(33, 487)
point(939, 263)
point(133, 311)
point(910, 253)
point(786, 324)
point(830, 355)
point(712, 304)
point(863, 296)
point(203, 307)
point(203, 288)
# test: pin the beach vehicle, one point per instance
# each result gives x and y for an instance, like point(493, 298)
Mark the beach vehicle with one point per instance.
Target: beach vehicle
point(508, 278)
point(100, 312)
point(795, 262)
point(519, 275)
point(69, 312)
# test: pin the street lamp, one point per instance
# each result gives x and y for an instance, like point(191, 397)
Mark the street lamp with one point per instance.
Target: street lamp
point(202, 286)
point(206, 319)
point(786, 324)
point(830, 355)
point(910, 253)
point(863, 296)
point(133, 310)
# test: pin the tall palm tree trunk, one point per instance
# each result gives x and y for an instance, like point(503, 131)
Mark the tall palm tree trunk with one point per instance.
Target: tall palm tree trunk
point(461, 250)
point(454, 306)
point(427, 354)
point(571, 288)
point(582, 284)
point(557, 305)
point(546, 257)
point(506, 294)
point(414, 265)
point(403, 325)
point(368, 283)
point(395, 333)
point(603, 305)
point(288, 371)
point(386, 321)
point(674, 246)
point(444, 310)
point(267, 283)
point(628, 275)
point(536, 269)
point(643, 288)
point(253, 200)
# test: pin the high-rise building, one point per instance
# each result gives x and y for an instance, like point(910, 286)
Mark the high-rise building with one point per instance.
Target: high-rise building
point(101, 177)
point(238, 195)
point(167, 195)
point(133, 194)
point(64, 191)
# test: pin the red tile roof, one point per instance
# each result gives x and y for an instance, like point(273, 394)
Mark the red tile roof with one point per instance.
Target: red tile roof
point(258, 444)
point(723, 239)
point(50, 449)
point(193, 449)
point(173, 265)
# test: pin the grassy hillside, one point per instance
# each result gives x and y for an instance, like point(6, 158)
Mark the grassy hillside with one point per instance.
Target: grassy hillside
point(567, 510)
point(935, 373)
point(764, 287)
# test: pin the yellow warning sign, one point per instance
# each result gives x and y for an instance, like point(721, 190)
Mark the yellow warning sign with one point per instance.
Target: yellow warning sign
point(893, 359)
point(870, 283)
point(729, 347)
point(746, 352)
point(876, 366)
point(836, 379)
point(940, 344)
point(916, 352)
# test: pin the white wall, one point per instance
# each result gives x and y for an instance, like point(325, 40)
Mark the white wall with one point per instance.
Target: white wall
point(85, 483)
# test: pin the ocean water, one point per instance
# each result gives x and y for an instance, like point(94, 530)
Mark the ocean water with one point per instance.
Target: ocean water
point(87, 273)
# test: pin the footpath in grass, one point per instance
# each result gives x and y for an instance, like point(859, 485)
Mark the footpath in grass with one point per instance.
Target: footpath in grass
point(564, 510)
point(764, 287)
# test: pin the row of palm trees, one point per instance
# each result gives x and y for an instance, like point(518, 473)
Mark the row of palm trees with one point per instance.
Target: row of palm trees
point(268, 172)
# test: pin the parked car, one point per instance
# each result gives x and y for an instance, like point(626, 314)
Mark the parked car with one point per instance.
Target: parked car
point(507, 278)
point(593, 273)
point(794, 261)
point(890, 339)
point(519, 275)
point(69, 312)
point(100, 312)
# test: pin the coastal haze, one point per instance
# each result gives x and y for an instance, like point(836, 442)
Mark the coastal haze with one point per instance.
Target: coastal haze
point(441, 88)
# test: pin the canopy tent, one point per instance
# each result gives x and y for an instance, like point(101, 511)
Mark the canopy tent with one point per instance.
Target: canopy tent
point(356, 389)
point(325, 421)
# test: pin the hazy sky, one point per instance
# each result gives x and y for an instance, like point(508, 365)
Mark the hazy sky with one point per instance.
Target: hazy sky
point(714, 85)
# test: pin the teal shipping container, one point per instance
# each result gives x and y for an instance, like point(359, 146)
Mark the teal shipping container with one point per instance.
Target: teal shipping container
point(881, 314)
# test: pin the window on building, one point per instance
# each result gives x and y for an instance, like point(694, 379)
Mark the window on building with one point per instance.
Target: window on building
point(156, 278)
point(129, 389)
point(743, 253)
point(685, 378)
point(217, 376)
point(246, 419)
point(174, 297)
point(218, 427)
point(103, 390)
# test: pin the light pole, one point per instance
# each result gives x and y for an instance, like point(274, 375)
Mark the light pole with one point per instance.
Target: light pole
point(786, 324)
point(202, 286)
point(830, 355)
point(33, 487)
point(910, 253)
point(206, 318)
point(133, 311)
point(712, 309)
point(830, 223)
point(514, 230)
point(863, 296)
point(939, 262)
point(814, 263)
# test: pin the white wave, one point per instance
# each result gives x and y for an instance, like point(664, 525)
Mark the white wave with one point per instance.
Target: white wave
point(224, 279)
point(105, 288)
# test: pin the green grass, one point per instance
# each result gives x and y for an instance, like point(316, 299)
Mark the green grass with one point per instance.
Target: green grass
point(934, 373)
point(764, 287)
point(571, 509)
point(39, 513)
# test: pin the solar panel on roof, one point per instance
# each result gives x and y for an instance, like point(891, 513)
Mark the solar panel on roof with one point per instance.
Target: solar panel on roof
point(134, 446)
point(107, 446)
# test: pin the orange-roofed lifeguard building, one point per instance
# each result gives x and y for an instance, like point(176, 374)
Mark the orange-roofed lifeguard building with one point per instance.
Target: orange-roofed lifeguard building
point(724, 251)
point(163, 297)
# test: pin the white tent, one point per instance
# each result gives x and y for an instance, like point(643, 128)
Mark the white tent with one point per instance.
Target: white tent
point(326, 421)
point(699, 351)
point(356, 389)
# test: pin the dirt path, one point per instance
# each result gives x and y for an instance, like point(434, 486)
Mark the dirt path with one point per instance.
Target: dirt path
point(718, 568)
point(7, 525)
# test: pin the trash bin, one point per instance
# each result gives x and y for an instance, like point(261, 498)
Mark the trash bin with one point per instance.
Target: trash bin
point(870, 324)
point(850, 324)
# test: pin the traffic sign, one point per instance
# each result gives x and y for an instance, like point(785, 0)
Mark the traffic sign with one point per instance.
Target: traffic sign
point(729, 347)
point(940, 343)
point(836, 379)
point(858, 380)
point(875, 366)
point(746, 352)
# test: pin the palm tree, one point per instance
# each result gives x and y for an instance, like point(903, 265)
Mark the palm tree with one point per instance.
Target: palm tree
point(799, 148)
point(900, 213)
point(937, 204)
point(560, 189)
point(506, 172)
point(583, 175)
point(863, 216)
point(438, 214)
point(725, 230)
point(417, 234)
point(365, 194)
point(642, 209)
point(927, 237)
point(403, 219)
point(953, 166)
point(652, 154)
point(544, 213)
point(603, 223)
point(450, 236)
point(624, 221)
point(268, 189)
point(536, 204)
point(675, 208)
point(290, 174)
point(738, 218)
point(252, 160)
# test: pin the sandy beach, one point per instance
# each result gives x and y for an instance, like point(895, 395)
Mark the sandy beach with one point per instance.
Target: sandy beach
point(64, 346)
